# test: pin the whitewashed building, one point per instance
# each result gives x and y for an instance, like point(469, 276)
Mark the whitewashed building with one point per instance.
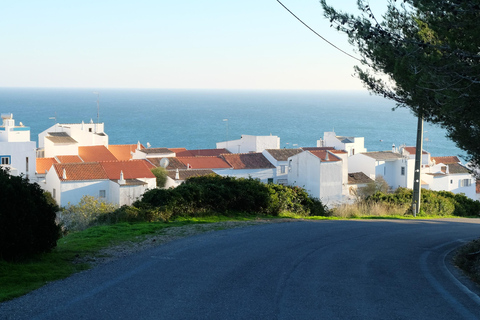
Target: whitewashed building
point(279, 158)
point(249, 143)
point(64, 139)
point(397, 168)
point(320, 173)
point(117, 182)
point(352, 145)
point(248, 165)
point(17, 152)
point(448, 174)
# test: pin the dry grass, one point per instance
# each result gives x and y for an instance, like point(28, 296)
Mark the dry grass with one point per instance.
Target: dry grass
point(467, 258)
point(368, 209)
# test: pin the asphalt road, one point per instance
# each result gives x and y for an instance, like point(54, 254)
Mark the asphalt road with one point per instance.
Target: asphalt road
point(375, 269)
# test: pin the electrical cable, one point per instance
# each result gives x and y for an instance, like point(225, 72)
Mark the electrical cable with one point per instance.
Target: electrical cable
point(320, 36)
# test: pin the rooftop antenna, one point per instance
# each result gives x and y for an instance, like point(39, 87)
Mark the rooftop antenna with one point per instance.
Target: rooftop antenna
point(98, 109)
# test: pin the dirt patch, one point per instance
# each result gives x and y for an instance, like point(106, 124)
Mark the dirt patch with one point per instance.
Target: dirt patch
point(164, 236)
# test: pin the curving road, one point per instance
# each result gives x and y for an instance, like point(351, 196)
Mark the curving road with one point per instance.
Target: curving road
point(375, 269)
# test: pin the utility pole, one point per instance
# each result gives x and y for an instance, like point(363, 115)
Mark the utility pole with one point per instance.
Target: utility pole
point(417, 183)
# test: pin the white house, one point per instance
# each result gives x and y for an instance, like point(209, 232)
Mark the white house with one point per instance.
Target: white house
point(320, 173)
point(351, 145)
point(447, 173)
point(397, 168)
point(279, 158)
point(248, 144)
point(177, 177)
point(17, 152)
point(248, 165)
point(64, 139)
point(117, 182)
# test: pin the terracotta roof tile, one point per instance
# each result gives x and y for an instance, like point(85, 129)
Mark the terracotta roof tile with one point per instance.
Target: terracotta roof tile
point(413, 150)
point(183, 153)
point(122, 151)
point(208, 152)
point(446, 160)
point(358, 178)
point(248, 161)
point(80, 171)
point(133, 169)
point(157, 151)
point(322, 154)
point(454, 168)
point(283, 154)
point(95, 154)
point(205, 162)
point(69, 159)
point(173, 163)
point(43, 164)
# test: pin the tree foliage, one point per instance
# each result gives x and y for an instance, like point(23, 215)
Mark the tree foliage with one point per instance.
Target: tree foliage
point(27, 218)
point(428, 50)
point(161, 174)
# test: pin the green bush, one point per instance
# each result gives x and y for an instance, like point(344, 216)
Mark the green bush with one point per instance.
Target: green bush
point(442, 203)
point(27, 218)
point(215, 194)
point(85, 213)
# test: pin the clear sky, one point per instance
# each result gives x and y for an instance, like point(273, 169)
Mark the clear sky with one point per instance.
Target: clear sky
point(214, 44)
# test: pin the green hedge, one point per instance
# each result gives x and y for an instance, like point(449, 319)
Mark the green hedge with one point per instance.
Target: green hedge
point(215, 194)
point(441, 203)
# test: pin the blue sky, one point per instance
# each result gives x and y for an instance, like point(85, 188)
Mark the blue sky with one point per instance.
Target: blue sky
point(214, 44)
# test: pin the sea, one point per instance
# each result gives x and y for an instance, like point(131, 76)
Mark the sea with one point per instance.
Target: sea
point(198, 119)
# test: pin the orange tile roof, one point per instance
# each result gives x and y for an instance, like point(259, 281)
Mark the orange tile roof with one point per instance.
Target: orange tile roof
point(322, 154)
point(173, 163)
point(80, 171)
point(69, 159)
point(95, 154)
point(413, 150)
point(248, 161)
point(123, 151)
point(205, 163)
point(183, 153)
point(44, 164)
point(133, 169)
point(446, 160)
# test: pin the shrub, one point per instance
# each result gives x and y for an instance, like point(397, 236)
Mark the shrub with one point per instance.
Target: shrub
point(215, 194)
point(161, 174)
point(87, 211)
point(27, 218)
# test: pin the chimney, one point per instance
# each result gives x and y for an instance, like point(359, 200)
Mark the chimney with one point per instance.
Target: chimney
point(177, 175)
point(122, 179)
point(393, 148)
point(64, 175)
point(326, 156)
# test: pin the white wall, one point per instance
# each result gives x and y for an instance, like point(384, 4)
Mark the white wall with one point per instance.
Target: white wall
point(22, 157)
point(362, 163)
point(52, 150)
point(249, 143)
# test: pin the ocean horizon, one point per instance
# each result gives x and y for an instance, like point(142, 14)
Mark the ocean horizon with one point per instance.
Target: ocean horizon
point(199, 118)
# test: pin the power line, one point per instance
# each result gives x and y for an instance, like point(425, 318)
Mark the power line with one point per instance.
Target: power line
point(320, 36)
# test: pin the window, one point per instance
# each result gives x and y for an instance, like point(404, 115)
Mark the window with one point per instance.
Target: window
point(451, 181)
point(102, 194)
point(465, 183)
point(283, 169)
point(6, 160)
point(26, 164)
point(89, 129)
point(402, 171)
point(270, 180)
point(54, 193)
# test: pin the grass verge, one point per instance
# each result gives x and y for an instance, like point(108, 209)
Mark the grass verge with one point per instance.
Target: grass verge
point(467, 258)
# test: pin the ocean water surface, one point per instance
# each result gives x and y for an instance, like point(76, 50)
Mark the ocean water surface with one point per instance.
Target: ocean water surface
point(197, 119)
